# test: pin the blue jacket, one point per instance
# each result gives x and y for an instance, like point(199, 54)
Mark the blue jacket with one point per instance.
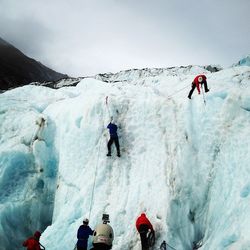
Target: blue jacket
point(83, 234)
point(112, 129)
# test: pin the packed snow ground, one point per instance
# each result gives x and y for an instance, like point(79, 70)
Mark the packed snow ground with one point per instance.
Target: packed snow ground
point(184, 163)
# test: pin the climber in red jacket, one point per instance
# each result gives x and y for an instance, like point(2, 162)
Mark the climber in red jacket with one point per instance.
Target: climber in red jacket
point(32, 243)
point(200, 79)
point(144, 226)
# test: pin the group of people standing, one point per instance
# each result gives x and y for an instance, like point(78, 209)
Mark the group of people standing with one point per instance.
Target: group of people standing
point(103, 235)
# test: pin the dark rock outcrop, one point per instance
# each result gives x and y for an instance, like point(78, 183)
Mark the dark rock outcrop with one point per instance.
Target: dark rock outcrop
point(16, 69)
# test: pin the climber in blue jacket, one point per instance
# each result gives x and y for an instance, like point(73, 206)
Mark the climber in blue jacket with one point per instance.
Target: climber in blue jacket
point(83, 234)
point(113, 138)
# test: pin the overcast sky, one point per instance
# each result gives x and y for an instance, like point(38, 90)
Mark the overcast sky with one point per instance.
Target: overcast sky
point(86, 37)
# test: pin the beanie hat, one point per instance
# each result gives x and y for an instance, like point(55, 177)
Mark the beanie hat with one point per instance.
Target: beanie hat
point(37, 234)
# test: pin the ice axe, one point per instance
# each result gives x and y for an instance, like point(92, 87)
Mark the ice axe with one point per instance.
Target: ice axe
point(203, 95)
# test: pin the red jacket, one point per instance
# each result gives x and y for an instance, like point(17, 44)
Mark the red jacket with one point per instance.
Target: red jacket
point(197, 83)
point(32, 244)
point(142, 219)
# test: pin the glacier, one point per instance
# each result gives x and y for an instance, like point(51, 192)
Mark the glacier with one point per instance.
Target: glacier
point(183, 162)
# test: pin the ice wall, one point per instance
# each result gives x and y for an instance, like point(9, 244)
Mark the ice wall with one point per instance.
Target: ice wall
point(172, 150)
point(184, 163)
point(28, 165)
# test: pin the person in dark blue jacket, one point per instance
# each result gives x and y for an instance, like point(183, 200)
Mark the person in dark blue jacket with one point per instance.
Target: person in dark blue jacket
point(83, 234)
point(113, 138)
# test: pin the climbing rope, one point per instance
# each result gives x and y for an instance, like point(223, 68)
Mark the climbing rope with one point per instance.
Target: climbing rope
point(42, 247)
point(107, 106)
point(93, 188)
point(176, 92)
point(170, 246)
point(97, 163)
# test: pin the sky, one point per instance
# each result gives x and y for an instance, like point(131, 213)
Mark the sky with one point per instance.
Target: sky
point(87, 37)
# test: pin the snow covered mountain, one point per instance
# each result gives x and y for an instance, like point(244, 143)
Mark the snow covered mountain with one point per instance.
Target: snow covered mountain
point(184, 162)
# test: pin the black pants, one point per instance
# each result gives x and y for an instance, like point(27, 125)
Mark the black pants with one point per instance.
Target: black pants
point(111, 140)
point(143, 230)
point(194, 86)
point(81, 248)
point(100, 246)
